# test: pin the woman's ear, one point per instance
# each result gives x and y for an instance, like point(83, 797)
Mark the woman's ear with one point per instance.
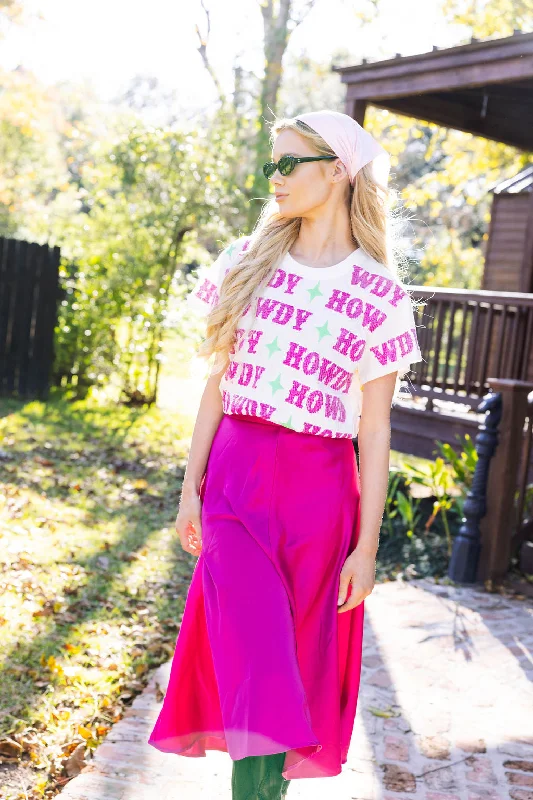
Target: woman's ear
point(339, 172)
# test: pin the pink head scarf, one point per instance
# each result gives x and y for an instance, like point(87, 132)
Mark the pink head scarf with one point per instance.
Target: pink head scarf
point(350, 142)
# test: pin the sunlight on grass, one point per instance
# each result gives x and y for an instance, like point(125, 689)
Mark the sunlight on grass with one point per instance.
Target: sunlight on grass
point(94, 577)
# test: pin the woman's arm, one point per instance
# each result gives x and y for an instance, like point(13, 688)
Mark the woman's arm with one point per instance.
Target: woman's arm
point(374, 458)
point(374, 455)
point(188, 520)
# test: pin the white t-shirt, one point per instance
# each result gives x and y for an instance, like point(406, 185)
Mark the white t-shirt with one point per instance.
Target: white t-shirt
point(320, 334)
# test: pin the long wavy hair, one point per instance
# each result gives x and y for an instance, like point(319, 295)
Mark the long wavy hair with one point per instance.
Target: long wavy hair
point(373, 230)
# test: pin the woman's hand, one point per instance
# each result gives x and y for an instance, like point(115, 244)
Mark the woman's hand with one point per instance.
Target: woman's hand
point(359, 569)
point(189, 522)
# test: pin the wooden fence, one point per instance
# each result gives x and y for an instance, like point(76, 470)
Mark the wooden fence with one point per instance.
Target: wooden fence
point(468, 336)
point(29, 293)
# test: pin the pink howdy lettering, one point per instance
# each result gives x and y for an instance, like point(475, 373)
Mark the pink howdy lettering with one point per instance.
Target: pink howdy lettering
point(334, 408)
point(354, 307)
point(337, 301)
point(252, 340)
point(405, 343)
point(348, 344)
point(280, 277)
point(265, 307)
point(207, 292)
point(231, 371)
point(386, 351)
point(245, 374)
point(329, 373)
point(381, 285)
point(362, 278)
point(283, 313)
point(236, 404)
point(398, 295)
point(299, 394)
point(302, 315)
point(372, 316)
point(308, 427)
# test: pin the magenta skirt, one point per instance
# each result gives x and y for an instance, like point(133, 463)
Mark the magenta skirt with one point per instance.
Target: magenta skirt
point(264, 663)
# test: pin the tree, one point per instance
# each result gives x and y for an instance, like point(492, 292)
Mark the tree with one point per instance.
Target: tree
point(280, 19)
point(490, 18)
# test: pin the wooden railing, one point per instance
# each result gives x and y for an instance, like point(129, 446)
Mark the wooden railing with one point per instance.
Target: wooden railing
point(468, 336)
point(498, 516)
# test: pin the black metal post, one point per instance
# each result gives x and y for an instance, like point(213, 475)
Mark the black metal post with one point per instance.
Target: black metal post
point(466, 546)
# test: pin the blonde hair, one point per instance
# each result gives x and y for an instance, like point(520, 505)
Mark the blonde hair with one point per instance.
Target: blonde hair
point(273, 236)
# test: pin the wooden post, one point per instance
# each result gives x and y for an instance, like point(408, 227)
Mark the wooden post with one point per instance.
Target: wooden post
point(497, 526)
point(357, 110)
point(526, 273)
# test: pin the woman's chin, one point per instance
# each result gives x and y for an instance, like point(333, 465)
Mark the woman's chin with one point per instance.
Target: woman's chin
point(285, 212)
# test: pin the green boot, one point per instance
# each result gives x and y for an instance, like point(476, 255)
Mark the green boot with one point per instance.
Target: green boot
point(259, 778)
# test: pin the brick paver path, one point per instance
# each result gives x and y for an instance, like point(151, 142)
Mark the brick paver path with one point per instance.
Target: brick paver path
point(454, 667)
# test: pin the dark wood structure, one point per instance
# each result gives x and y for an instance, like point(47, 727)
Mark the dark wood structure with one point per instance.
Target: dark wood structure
point(506, 253)
point(484, 88)
point(29, 292)
point(473, 341)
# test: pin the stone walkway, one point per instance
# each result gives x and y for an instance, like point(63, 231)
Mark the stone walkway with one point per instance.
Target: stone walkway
point(445, 712)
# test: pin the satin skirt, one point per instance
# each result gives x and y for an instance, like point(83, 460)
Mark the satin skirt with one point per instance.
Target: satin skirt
point(264, 663)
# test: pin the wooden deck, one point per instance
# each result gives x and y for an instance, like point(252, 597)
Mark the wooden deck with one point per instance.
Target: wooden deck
point(466, 337)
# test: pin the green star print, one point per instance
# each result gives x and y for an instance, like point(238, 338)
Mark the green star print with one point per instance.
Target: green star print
point(276, 385)
point(323, 330)
point(315, 292)
point(273, 347)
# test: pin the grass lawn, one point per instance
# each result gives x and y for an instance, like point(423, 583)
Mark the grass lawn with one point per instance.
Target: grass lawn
point(94, 578)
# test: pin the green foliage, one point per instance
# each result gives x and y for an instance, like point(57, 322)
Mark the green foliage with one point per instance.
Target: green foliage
point(409, 512)
point(437, 478)
point(417, 531)
point(146, 196)
point(462, 464)
point(490, 18)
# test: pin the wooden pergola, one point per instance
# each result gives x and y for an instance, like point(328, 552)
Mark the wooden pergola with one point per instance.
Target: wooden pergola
point(484, 88)
point(472, 341)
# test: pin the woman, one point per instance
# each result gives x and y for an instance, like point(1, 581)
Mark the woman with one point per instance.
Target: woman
point(302, 316)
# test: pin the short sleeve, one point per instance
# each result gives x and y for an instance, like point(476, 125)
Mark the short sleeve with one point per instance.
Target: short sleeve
point(205, 292)
point(392, 346)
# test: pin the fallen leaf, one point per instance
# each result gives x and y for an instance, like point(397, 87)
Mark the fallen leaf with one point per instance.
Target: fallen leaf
point(9, 748)
point(75, 763)
point(380, 712)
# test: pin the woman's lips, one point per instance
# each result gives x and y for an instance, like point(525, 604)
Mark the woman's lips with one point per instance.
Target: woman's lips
point(280, 196)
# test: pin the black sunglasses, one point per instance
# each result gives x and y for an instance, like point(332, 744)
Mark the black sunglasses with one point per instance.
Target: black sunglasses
point(286, 164)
